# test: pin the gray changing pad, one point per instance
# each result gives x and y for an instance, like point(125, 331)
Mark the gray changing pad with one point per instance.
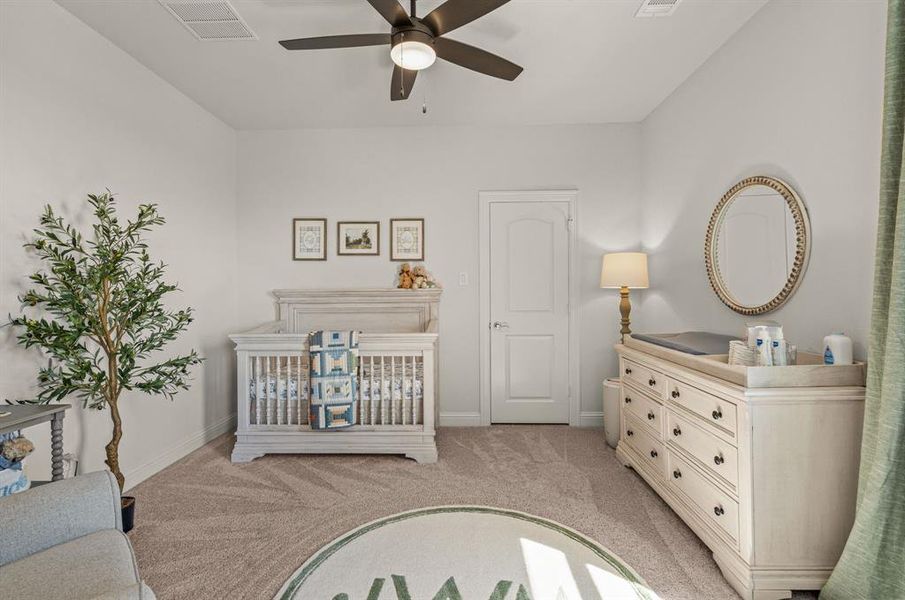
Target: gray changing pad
point(689, 342)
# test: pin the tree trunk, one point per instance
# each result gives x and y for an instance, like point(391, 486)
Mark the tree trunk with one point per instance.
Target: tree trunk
point(112, 448)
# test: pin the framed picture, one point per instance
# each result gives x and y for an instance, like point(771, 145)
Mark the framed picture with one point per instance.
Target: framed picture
point(309, 239)
point(407, 239)
point(358, 238)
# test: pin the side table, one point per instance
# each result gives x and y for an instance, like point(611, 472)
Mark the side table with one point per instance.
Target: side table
point(21, 416)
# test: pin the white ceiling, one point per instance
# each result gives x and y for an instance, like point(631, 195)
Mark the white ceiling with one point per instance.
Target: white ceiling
point(586, 61)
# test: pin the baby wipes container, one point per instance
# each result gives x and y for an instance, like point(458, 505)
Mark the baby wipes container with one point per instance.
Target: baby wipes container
point(837, 349)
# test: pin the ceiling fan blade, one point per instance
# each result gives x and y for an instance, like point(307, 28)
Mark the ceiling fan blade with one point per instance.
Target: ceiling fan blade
point(402, 83)
point(476, 59)
point(392, 11)
point(455, 13)
point(337, 41)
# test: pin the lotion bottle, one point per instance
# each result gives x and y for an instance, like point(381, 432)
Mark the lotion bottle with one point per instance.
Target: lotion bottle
point(837, 349)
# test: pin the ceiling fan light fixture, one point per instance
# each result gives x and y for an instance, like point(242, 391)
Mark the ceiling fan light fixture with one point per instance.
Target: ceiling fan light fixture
point(413, 55)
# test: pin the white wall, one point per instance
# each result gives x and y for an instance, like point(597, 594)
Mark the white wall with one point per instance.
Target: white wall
point(797, 94)
point(78, 115)
point(436, 173)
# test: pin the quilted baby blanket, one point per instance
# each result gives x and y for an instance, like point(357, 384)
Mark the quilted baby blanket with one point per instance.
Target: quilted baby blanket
point(334, 379)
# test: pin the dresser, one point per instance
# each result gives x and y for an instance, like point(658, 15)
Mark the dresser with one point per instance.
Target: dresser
point(761, 463)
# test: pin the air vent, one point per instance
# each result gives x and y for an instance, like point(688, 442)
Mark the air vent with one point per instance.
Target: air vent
point(210, 20)
point(657, 8)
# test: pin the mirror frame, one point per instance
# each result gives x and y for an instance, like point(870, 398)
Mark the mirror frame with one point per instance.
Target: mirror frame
point(802, 245)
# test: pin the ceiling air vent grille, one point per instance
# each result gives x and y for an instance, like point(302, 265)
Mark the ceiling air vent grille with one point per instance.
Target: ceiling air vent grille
point(657, 8)
point(210, 20)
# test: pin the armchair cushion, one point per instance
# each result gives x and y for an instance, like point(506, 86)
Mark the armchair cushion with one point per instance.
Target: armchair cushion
point(97, 565)
point(58, 512)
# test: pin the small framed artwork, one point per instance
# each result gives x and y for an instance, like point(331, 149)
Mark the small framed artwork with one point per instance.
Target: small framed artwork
point(309, 239)
point(407, 239)
point(358, 238)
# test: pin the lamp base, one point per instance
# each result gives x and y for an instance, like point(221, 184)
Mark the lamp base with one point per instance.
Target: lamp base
point(625, 309)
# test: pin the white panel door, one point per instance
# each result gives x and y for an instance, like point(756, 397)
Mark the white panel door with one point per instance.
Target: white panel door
point(529, 312)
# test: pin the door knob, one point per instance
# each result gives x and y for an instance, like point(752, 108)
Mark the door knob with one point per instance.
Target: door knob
point(500, 325)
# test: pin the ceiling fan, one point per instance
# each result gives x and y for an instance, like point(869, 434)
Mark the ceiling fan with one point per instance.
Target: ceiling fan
point(415, 43)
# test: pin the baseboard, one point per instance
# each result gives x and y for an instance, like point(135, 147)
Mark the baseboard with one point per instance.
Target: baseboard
point(473, 419)
point(590, 418)
point(460, 419)
point(224, 425)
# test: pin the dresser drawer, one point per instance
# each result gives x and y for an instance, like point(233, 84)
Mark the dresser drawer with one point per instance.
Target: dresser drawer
point(712, 409)
point(647, 411)
point(650, 448)
point(644, 377)
point(712, 504)
point(714, 454)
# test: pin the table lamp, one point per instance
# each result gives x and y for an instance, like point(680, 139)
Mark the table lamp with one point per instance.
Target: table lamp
point(624, 270)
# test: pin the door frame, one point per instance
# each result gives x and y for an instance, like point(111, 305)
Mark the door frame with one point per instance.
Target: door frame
point(485, 200)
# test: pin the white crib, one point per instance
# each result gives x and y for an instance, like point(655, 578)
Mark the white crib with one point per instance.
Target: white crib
point(397, 374)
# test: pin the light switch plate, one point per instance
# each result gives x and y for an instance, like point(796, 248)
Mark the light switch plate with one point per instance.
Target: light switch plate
point(463, 278)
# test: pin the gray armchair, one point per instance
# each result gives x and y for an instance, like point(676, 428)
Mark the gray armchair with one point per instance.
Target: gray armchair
point(65, 540)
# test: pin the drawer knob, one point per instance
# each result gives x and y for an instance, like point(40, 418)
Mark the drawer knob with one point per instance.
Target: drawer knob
point(718, 459)
point(652, 382)
point(717, 414)
point(718, 510)
point(629, 432)
point(628, 371)
point(628, 400)
point(676, 431)
point(676, 474)
point(675, 394)
point(653, 454)
point(651, 415)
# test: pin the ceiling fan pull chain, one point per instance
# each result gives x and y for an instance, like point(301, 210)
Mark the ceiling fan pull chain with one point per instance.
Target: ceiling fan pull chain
point(401, 70)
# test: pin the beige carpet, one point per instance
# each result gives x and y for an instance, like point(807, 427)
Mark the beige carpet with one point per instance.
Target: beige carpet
point(206, 528)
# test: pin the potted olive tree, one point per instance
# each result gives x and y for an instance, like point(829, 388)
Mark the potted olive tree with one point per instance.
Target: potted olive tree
point(98, 313)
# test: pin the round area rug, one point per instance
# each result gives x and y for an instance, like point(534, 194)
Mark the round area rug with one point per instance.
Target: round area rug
point(464, 553)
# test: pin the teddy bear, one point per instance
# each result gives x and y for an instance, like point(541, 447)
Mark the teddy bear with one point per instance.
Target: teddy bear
point(419, 277)
point(13, 450)
point(405, 277)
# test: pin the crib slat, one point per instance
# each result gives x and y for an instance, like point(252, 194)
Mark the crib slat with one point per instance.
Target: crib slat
point(260, 390)
point(402, 391)
point(361, 395)
point(269, 407)
point(392, 390)
point(371, 390)
point(279, 392)
point(414, 399)
point(383, 402)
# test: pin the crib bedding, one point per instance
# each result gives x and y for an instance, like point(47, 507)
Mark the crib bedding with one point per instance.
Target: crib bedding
point(278, 389)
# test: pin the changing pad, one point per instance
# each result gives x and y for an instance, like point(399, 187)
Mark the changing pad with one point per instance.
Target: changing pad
point(689, 342)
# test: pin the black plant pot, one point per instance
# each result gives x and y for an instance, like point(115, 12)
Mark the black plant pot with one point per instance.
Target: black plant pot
point(128, 513)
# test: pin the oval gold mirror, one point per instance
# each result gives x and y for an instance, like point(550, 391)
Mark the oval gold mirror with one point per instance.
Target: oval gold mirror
point(758, 244)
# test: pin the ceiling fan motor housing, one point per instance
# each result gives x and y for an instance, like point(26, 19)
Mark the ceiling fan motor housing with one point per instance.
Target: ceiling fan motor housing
point(418, 32)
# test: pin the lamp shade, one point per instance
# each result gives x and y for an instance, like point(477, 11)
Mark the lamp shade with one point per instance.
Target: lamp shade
point(624, 269)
